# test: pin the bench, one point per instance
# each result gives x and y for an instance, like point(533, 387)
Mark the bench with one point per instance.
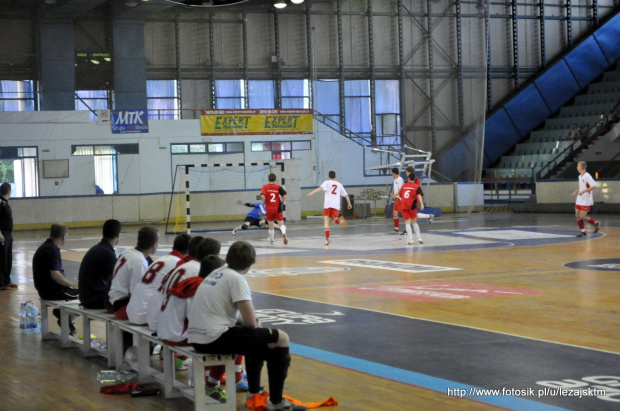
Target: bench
point(142, 338)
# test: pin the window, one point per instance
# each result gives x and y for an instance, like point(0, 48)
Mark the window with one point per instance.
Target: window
point(281, 149)
point(210, 148)
point(91, 100)
point(262, 94)
point(295, 94)
point(16, 95)
point(229, 94)
point(18, 166)
point(105, 160)
point(357, 106)
point(327, 100)
point(162, 99)
point(387, 111)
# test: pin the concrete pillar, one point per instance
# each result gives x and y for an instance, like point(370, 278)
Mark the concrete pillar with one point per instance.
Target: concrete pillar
point(57, 66)
point(129, 65)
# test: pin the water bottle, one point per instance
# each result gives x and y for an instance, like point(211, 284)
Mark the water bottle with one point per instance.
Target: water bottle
point(22, 318)
point(32, 317)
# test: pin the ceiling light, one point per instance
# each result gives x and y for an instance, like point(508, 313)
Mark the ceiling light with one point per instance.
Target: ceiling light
point(131, 3)
point(279, 4)
point(297, 1)
point(94, 61)
point(50, 1)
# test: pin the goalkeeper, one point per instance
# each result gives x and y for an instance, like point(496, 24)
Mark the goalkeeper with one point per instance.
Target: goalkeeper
point(256, 217)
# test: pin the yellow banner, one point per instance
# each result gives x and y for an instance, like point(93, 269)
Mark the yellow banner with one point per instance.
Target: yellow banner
point(239, 122)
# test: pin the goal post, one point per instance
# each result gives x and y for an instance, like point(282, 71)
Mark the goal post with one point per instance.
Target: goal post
point(208, 193)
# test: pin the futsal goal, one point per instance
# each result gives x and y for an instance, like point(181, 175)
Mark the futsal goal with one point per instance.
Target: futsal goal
point(203, 194)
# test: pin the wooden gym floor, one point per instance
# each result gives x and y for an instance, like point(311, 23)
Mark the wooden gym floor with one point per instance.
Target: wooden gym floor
point(491, 301)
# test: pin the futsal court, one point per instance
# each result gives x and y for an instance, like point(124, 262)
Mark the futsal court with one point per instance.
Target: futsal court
point(491, 301)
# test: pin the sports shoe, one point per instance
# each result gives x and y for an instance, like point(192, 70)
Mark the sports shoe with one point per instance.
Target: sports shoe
point(270, 241)
point(343, 222)
point(597, 226)
point(13, 285)
point(420, 241)
point(285, 405)
point(179, 365)
point(582, 234)
point(410, 242)
point(234, 232)
point(242, 386)
point(285, 239)
point(403, 233)
point(249, 395)
point(327, 241)
point(217, 393)
point(395, 232)
point(430, 220)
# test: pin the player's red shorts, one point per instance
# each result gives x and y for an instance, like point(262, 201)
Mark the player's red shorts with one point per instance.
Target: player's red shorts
point(410, 214)
point(331, 212)
point(274, 216)
point(582, 208)
point(397, 205)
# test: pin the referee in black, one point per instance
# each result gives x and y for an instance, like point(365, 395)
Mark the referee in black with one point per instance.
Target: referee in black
point(6, 238)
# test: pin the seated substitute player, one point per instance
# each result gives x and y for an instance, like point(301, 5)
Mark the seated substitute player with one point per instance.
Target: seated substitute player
point(129, 269)
point(256, 217)
point(409, 194)
point(48, 275)
point(173, 326)
point(584, 199)
point(222, 296)
point(198, 248)
point(270, 194)
point(96, 268)
point(331, 205)
point(152, 279)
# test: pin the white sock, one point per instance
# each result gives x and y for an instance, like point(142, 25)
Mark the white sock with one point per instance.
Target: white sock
point(408, 229)
point(416, 228)
point(238, 228)
point(283, 229)
point(425, 216)
point(271, 234)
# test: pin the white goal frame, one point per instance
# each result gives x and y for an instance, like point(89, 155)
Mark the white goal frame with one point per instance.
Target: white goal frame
point(186, 176)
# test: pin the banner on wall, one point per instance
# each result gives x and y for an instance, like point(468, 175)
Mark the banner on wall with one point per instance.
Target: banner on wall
point(127, 121)
point(242, 122)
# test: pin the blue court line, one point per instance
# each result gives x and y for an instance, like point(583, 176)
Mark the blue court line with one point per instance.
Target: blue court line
point(420, 380)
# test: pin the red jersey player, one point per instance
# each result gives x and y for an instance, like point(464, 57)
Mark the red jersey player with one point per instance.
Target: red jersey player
point(270, 194)
point(409, 203)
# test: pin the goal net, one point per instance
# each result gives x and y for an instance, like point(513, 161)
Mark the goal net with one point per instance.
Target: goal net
point(203, 194)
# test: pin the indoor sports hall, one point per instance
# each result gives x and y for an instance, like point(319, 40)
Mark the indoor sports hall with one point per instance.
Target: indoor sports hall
point(504, 115)
point(491, 301)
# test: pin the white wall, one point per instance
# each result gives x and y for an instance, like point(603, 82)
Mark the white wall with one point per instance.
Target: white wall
point(145, 180)
point(560, 191)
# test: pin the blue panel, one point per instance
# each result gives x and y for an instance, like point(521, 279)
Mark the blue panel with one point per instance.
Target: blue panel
point(500, 136)
point(608, 38)
point(587, 61)
point(557, 85)
point(527, 110)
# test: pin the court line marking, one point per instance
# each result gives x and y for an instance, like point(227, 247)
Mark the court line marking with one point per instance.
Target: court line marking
point(447, 323)
point(416, 379)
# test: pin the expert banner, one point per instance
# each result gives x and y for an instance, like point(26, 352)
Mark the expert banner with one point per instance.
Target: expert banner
point(240, 122)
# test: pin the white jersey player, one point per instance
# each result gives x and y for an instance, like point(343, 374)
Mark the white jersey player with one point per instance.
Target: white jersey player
point(331, 205)
point(199, 248)
point(584, 200)
point(148, 285)
point(128, 270)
